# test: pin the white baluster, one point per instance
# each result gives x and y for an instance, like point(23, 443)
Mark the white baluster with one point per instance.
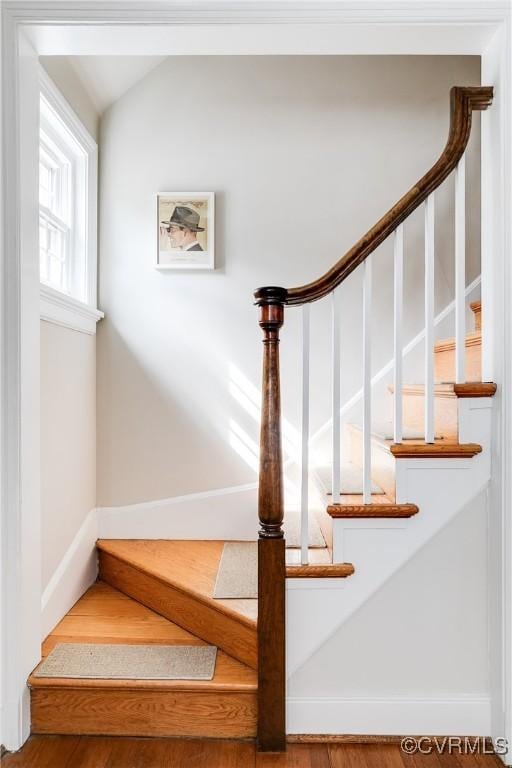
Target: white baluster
point(397, 331)
point(304, 481)
point(429, 318)
point(460, 270)
point(367, 381)
point(336, 423)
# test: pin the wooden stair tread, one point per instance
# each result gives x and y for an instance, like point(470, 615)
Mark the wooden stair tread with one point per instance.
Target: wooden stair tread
point(341, 511)
point(418, 448)
point(224, 707)
point(191, 566)
point(176, 579)
point(447, 389)
point(105, 615)
point(324, 571)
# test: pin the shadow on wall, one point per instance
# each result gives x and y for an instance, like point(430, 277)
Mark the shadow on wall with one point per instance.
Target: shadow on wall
point(177, 436)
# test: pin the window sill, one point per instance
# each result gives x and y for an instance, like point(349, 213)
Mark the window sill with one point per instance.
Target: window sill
point(57, 308)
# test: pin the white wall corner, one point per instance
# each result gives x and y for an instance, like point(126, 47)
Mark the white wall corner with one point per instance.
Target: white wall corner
point(75, 573)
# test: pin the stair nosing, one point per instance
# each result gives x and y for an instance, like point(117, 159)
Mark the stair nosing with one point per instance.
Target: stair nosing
point(355, 511)
point(432, 450)
point(159, 686)
point(320, 571)
point(487, 389)
point(459, 450)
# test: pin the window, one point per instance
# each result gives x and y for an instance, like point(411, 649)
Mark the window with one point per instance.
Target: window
point(67, 212)
point(55, 220)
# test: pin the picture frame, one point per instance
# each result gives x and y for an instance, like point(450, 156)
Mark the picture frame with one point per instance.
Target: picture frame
point(185, 230)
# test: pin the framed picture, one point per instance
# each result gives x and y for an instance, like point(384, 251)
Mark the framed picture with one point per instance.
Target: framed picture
point(186, 230)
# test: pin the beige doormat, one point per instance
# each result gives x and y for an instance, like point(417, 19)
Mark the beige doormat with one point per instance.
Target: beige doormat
point(130, 662)
point(238, 570)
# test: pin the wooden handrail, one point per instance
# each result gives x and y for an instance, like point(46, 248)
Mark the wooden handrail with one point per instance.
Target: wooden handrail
point(271, 301)
point(462, 103)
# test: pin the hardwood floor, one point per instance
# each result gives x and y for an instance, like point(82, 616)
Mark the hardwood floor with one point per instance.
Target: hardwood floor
point(115, 752)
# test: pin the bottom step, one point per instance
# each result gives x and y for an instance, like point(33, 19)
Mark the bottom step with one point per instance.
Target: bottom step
point(224, 707)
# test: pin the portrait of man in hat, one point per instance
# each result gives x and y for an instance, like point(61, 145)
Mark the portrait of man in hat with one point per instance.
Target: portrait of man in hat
point(183, 227)
point(185, 236)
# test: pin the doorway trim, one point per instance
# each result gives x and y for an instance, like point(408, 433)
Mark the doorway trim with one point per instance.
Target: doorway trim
point(28, 28)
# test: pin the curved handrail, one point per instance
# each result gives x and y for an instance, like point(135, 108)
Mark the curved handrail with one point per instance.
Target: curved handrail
point(463, 100)
point(271, 301)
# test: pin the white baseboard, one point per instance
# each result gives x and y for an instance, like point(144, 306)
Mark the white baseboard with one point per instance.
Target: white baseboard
point(74, 575)
point(226, 513)
point(462, 716)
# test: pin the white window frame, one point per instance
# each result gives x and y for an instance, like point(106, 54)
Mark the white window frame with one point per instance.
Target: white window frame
point(56, 306)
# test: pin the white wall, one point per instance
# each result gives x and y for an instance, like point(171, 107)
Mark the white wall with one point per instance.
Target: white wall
point(68, 439)
point(304, 154)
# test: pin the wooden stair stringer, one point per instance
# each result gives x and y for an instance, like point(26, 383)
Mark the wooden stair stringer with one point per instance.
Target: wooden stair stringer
point(198, 613)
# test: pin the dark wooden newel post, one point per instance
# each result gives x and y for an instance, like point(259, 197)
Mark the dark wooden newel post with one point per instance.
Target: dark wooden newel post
point(271, 544)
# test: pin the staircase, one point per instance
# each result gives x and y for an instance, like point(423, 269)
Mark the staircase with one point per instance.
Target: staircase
point(415, 476)
point(160, 592)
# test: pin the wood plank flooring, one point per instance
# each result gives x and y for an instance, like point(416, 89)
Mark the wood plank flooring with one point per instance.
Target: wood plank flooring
point(102, 752)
